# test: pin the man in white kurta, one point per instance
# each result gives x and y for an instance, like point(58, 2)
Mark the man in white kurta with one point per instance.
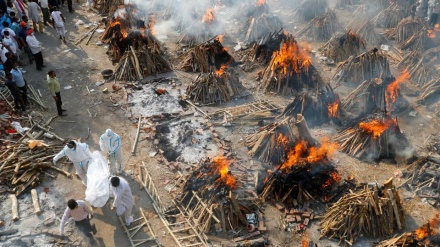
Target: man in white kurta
point(80, 156)
point(123, 202)
point(34, 14)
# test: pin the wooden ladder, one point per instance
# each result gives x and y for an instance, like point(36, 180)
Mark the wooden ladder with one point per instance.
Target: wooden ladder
point(132, 231)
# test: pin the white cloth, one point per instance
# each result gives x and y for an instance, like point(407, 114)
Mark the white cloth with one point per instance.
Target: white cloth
point(33, 43)
point(61, 31)
point(78, 214)
point(56, 16)
point(110, 143)
point(80, 157)
point(7, 41)
point(19, 5)
point(34, 11)
point(44, 4)
point(3, 54)
point(123, 200)
point(11, 32)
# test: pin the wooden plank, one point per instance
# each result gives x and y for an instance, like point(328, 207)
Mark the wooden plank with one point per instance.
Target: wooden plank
point(396, 211)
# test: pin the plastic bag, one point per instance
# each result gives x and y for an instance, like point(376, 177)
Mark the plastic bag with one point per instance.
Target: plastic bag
point(98, 187)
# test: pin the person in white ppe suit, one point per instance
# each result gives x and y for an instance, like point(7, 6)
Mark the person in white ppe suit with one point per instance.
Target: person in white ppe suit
point(123, 202)
point(110, 143)
point(80, 156)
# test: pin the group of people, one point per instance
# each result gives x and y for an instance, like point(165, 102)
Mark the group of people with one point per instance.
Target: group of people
point(426, 9)
point(81, 157)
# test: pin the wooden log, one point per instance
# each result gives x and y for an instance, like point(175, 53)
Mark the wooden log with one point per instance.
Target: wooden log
point(303, 129)
point(14, 207)
point(35, 201)
point(237, 209)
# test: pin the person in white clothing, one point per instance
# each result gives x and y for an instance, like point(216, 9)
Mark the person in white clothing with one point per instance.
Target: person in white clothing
point(9, 43)
point(81, 214)
point(34, 14)
point(110, 143)
point(44, 4)
point(123, 202)
point(58, 23)
point(35, 47)
point(19, 5)
point(80, 156)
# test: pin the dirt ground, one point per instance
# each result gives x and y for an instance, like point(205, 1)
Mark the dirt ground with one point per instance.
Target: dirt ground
point(80, 66)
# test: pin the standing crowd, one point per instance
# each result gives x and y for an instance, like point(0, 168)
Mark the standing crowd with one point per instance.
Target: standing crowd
point(18, 21)
point(427, 10)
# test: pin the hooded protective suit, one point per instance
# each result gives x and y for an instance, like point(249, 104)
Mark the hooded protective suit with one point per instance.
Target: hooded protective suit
point(123, 200)
point(80, 157)
point(110, 143)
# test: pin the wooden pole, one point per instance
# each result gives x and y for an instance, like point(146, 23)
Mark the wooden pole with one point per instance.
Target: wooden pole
point(14, 207)
point(35, 201)
point(237, 209)
point(133, 151)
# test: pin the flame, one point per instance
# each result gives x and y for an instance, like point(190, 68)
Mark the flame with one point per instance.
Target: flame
point(290, 58)
point(424, 232)
point(221, 71)
point(261, 2)
point(209, 16)
point(220, 38)
point(332, 109)
point(393, 88)
point(151, 25)
point(123, 31)
point(305, 241)
point(302, 154)
point(376, 127)
point(430, 34)
point(437, 27)
point(334, 177)
point(282, 140)
point(222, 166)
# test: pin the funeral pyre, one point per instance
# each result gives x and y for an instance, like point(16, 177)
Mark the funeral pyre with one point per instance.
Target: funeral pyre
point(321, 28)
point(365, 29)
point(290, 70)
point(377, 95)
point(374, 138)
point(374, 211)
point(317, 107)
point(341, 47)
point(259, 23)
point(427, 235)
point(216, 204)
point(309, 9)
point(206, 57)
point(216, 87)
point(404, 30)
point(390, 17)
point(365, 67)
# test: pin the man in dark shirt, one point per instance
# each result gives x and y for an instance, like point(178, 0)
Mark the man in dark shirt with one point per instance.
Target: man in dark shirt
point(15, 92)
point(9, 64)
point(21, 39)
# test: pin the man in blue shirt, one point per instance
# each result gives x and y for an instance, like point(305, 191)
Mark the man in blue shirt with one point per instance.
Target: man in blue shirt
point(21, 83)
point(15, 92)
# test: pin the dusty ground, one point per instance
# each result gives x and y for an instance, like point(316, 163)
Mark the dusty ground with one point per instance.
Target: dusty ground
point(80, 66)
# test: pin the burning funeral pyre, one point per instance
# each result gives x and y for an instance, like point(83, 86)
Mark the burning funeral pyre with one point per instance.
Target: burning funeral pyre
point(321, 28)
point(365, 67)
point(309, 9)
point(389, 17)
point(301, 166)
point(377, 95)
point(427, 235)
point(290, 70)
point(201, 30)
point(374, 211)
point(215, 87)
point(318, 108)
point(374, 138)
point(342, 46)
point(260, 22)
point(206, 57)
point(423, 67)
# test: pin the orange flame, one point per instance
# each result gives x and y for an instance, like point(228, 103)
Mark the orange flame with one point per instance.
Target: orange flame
point(305, 241)
point(290, 58)
point(376, 127)
point(222, 166)
point(151, 25)
point(282, 140)
point(334, 178)
point(437, 27)
point(302, 154)
point(220, 38)
point(123, 31)
point(424, 232)
point(430, 34)
point(393, 88)
point(332, 109)
point(209, 16)
point(221, 71)
point(261, 2)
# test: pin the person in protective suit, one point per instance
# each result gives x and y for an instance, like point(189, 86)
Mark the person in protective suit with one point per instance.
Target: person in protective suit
point(80, 156)
point(123, 202)
point(110, 143)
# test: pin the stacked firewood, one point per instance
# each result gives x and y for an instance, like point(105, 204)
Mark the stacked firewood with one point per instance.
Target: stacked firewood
point(374, 212)
point(107, 6)
point(310, 9)
point(421, 40)
point(429, 91)
point(205, 57)
point(389, 17)
point(423, 67)
point(365, 67)
point(365, 29)
point(407, 239)
point(290, 70)
point(321, 28)
point(135, 65)
point(375, 137)
point(196, 34)
point(405, 29)
point(215, 87)
point(117, 28)
point(341, 47)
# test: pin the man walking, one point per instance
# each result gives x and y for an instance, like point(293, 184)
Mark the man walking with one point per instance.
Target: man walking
point(58, 23)
point(123, 198)
point(19, 5)
point(35, 47)
point(15, 92)
point(110, 143)
point(80, 156)
point(34, 14)
point(54, 90)
point(21, 83)
point(81, 213)
point(44, 4)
